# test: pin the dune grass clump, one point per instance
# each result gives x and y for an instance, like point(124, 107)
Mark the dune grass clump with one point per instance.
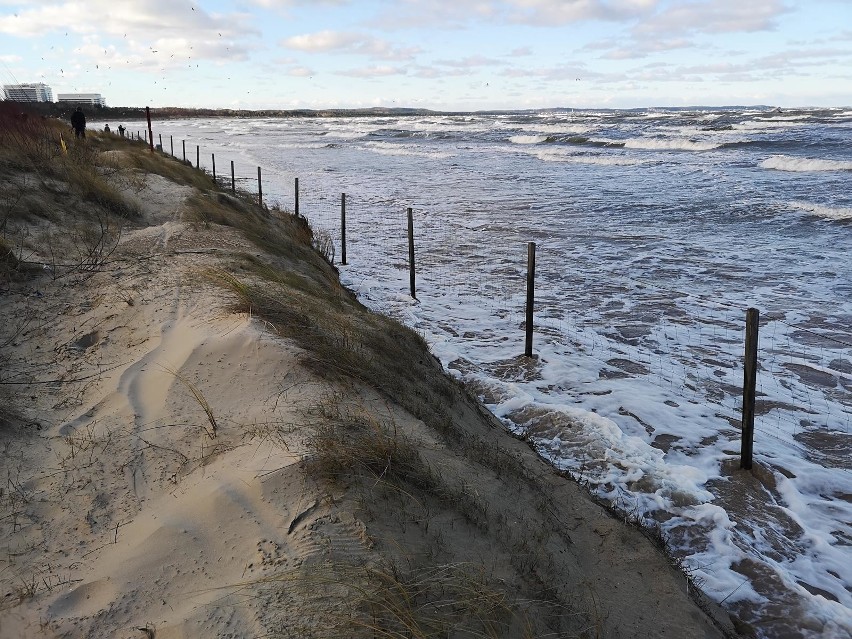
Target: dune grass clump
point(340, 336)
point(352, 444)
point(88, 173)
point(42, 147)
point(385, 601)
point(28, 142)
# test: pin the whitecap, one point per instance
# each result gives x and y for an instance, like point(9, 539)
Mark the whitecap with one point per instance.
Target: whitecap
point(789, 163)
point(385, 148)
point(527, 139)
point(560, 155)
point(828, 212)
point(672, 144)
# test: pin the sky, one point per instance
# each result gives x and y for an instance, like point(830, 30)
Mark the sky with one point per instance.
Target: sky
point(449, 55)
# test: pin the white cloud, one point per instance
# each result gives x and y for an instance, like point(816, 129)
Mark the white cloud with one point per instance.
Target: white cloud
point(322, 41)
point(143, 18)
point(348, 43)
point(374, 72)
point(445, 14)
point(452, 14)
point(137, 33)
point(300, 72)
point(471, 61)
point(435, 72)
point(644, 48)
point(715, 16)
point(571, 73)
point(560, 12)
point(283, 4)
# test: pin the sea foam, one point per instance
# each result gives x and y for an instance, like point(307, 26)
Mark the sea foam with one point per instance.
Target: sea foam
point(828, 212)
point(671, 144)
point(789, 163)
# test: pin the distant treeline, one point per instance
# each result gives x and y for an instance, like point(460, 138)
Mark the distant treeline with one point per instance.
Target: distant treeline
point(64, 110)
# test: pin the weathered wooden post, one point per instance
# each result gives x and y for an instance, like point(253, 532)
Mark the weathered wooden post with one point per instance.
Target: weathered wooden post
point(343, 228)
point(259, 189)
point(197, 156)
point(749, 386)
point(172, 144)
point(297, 197)
point(161, 141)
point(184, 149)
point(149, 134)
point(530, 297)
point(233, 184)
point(411, 252)
point(213, 158)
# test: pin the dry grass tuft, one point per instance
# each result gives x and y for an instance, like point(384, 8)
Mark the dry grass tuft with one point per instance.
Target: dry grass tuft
point(86, 171)
point(384, 601)
point(357, 443)
point(28, 142)
point(200, 398)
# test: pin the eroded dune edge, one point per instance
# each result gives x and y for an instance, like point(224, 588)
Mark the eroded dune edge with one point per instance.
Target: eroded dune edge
point(202, 434)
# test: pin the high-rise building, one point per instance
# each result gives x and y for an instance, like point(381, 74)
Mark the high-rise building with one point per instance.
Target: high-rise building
point(39, 92)
point(92, 99)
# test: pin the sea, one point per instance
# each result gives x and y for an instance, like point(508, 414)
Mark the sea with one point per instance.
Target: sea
point(642, 238)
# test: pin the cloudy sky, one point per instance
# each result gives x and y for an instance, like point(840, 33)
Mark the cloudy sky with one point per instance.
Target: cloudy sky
point(437, 54)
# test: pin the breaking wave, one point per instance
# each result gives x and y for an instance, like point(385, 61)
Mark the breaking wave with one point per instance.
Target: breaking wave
point(828, 212)
point(673, 144)
point(789, 163)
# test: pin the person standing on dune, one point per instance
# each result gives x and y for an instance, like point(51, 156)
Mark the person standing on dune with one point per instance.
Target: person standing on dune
point(78, 122)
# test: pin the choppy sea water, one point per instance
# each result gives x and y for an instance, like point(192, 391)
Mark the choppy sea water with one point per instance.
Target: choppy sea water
point(654, 231)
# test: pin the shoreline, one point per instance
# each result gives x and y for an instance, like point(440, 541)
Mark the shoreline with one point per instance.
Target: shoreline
point(204, 432)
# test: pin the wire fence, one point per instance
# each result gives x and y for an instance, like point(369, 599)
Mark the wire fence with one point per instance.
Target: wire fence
point(686, 345)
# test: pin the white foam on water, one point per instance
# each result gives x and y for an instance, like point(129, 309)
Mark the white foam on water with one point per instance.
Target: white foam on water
point(766, 126)
point(527, 139)
point(561, 154)
point(787, 118)
point(674, 144)
point(797, 164)
point(389, 148)
point(828, 212)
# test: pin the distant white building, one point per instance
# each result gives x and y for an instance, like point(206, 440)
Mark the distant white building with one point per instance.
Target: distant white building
point(91, 99)
point(39, 92)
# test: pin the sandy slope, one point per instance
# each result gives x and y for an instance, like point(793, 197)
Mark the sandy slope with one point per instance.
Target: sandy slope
point(123, 516)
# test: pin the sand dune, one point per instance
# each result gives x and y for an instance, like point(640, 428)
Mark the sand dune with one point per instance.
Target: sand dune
point(163, 476)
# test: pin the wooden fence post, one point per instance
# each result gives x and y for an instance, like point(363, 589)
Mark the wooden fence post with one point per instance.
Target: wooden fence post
point(411, 252)
point(343, 228)
point(183, 142)
point(172, 144)
point(149, 134)
point(297, 197)
point(530, 297)
point(213, 158)
point(259, 188)
point(161, 141)
point(749, 385)
point(233, 185)
point(197, 156)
